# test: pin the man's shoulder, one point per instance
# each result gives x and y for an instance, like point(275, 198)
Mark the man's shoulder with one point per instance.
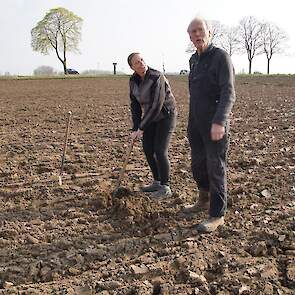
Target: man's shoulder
point(193, 56)
point(222, 58)
point(219, 51)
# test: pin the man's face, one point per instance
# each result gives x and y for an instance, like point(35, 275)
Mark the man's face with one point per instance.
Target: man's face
point(138, 65)
point(199, 35)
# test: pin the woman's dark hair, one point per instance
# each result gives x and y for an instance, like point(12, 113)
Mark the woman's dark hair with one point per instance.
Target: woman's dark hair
point(129, 59)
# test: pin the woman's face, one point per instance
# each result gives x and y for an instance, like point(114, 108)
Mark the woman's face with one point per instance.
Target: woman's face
point(138, 65)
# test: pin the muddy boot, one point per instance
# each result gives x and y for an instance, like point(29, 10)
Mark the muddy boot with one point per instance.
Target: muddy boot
point(163, 192)
point(210, 224)
point(156, 185)
point(202, 204)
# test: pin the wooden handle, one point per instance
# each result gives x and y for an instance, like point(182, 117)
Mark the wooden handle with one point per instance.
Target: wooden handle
point(122, 172)
point(65, 146)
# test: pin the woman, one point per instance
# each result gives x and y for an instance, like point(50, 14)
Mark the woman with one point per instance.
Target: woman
point(154, 118)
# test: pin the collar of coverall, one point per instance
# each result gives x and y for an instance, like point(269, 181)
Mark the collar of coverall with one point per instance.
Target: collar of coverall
point(207, 50)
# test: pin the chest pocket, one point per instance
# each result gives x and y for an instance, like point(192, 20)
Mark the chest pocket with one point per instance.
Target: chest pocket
point(204, 79)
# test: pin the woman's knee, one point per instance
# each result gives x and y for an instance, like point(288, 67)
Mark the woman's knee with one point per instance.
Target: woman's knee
point(161, 155)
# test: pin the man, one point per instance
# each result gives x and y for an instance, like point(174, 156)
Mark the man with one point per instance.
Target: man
point(211, 88)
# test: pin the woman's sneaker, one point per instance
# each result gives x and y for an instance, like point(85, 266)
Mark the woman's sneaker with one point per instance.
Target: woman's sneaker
point(163, 192)
point(155, 186)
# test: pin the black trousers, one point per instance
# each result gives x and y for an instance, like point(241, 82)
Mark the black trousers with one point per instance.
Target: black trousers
point(208, 162)
point(156, 139)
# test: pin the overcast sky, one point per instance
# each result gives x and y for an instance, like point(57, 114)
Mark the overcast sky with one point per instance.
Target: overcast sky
point(113, 28)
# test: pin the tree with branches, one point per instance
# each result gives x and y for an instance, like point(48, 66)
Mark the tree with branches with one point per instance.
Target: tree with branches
point(217, 32)
point(273, 39)
point(229, 40)
point(59, 30)
point(250, 30)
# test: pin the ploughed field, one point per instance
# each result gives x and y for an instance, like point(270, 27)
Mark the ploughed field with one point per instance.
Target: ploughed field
point(79, 239)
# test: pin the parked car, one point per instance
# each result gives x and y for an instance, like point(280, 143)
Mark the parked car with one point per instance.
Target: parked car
point(72, 72)
point(184, 72)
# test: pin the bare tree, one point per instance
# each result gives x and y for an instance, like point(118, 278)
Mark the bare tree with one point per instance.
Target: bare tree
point(273, 39)
point(229, 40)
point(250, 33)
point(217, 32)
point(59, 30)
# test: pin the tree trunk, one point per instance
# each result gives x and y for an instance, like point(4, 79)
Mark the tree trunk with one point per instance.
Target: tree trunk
point(61, 60)
point(65, 59)
point(250, 66)
point(268, 62)
point(65, 67)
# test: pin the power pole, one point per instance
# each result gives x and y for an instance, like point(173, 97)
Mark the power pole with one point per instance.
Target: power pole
point(163, 63)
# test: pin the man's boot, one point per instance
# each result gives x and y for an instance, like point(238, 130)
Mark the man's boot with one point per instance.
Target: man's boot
point(211, 224)
point(202, 203)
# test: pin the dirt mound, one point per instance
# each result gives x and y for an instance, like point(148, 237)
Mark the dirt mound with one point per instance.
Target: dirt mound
point(79, 238)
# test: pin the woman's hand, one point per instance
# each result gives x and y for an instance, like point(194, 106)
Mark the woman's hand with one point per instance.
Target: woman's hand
point(217, 132)
point(136, 134)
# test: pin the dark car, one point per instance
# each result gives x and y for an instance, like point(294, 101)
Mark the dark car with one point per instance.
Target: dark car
point(184, 72)
point(72, 72)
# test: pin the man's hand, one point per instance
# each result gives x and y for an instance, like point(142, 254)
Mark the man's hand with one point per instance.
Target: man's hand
point(136, 134)
point(217, 132)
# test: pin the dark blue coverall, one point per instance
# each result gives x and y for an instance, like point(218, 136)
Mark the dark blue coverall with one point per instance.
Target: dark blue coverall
point(212, 94)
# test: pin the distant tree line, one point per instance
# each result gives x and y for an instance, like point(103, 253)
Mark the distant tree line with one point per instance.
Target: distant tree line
point(49, 71)
point(251, 36)
point(45, 71)
point(60, 31)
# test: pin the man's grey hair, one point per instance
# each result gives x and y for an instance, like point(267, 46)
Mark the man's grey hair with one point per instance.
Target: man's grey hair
point(199, 19)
